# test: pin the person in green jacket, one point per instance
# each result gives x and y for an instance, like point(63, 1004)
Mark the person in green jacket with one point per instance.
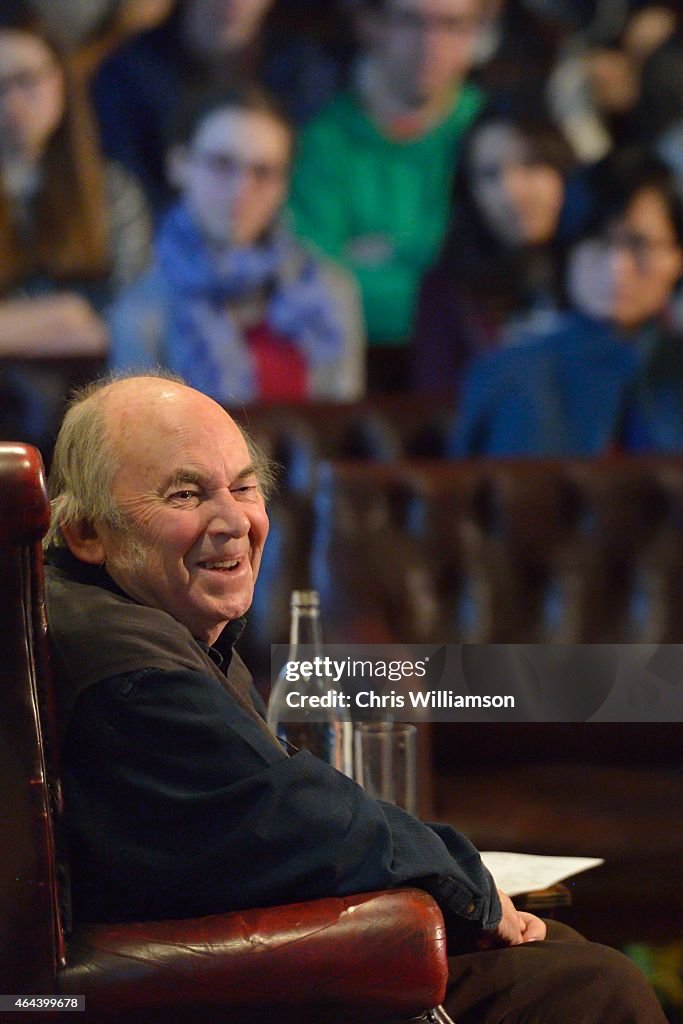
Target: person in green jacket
point(374, 170)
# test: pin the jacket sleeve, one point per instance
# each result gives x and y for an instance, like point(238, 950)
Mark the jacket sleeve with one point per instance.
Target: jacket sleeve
point(178, 805)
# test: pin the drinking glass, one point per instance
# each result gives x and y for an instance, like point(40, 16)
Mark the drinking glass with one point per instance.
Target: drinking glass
point(385, 762)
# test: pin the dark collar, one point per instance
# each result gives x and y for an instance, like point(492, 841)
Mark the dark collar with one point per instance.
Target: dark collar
point(97, 576)
point(83, 572)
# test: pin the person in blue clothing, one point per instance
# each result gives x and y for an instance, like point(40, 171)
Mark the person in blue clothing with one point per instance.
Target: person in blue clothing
point(654, 413)
point(233, 301)
point(569, 390)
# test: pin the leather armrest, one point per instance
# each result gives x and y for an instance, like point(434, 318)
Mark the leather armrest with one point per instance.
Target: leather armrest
point(376, 955)
point(23, 494)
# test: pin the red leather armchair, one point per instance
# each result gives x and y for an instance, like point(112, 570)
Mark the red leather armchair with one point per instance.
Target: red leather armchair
point(373, 957)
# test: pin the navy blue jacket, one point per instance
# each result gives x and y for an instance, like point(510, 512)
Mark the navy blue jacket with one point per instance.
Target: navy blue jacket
point(179, 803)
point(564, 394)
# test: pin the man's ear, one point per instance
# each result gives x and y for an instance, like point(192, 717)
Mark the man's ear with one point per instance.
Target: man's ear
point(84, 542)
point(176, 166)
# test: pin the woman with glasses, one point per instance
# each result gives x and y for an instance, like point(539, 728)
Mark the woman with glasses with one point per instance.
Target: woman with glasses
point(72, 228)
point(233, 301)
point(571, 390)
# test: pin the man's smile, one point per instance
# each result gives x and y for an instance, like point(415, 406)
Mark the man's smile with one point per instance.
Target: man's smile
point(233, 564)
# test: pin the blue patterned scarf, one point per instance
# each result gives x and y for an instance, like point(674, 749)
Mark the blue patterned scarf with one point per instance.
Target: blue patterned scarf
point(204, 342)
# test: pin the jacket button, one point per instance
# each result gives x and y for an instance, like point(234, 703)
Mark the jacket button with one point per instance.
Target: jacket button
point(470, 908)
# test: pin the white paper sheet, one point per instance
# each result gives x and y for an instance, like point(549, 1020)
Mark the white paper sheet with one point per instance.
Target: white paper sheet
point(526, 872)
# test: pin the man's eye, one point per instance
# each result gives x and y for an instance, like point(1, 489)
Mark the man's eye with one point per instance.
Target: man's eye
point(244, 489)
point(183, 495)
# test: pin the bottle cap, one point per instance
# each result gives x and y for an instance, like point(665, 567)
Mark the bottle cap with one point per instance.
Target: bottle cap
point(305, 599)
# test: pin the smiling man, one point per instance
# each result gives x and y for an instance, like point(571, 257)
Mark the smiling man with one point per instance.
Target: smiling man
point(190, 521)
point(179, 801)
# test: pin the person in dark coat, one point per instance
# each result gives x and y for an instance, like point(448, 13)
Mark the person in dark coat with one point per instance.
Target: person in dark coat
point(179, 800)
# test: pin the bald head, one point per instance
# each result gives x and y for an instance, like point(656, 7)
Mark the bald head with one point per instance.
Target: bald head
point(136, 409)
point(143, 402)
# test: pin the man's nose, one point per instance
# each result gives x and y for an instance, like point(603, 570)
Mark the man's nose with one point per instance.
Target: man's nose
point(228, 516)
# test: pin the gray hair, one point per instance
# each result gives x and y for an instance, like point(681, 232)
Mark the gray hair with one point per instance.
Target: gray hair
point(84, 463)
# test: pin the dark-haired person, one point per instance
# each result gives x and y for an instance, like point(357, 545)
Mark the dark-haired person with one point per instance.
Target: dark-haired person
point(497, 273)
point(233, 301)
point(90, 29)
point(566, 391)
point(373, 174)
point(179, 801)
point(72, 228)
point(204, 45)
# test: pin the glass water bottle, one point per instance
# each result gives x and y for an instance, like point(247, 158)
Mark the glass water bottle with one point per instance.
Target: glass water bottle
point(321, 726)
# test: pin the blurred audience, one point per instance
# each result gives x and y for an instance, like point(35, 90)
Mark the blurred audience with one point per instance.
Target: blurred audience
point(518, 49)
point(569, 391)
point(203, 46)
point(374, 170)
point(88, 30)
point(496, 278)
point(233, 302)
point(594, 91)
point(72, 228)
point(72, 22)
point(446, 217)
point(661, 104)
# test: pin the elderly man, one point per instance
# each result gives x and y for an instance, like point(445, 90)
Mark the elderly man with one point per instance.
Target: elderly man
point(372, 180)
point(179, 801)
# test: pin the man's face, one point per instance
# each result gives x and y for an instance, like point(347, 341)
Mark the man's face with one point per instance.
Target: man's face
point(234, 176)
point(425, 46)
point(197, 519)
point(217, 27)
point(628, 273)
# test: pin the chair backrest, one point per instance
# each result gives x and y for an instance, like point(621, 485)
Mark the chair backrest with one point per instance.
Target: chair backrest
point(31, 944)
point(391, 945)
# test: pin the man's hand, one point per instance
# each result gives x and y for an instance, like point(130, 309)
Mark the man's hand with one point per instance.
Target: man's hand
point(514, 928)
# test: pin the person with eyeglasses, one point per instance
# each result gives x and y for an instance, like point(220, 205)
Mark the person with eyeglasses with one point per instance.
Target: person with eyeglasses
point(73, 228)
point(572, 388)
point(233, 301)
point(372, 179)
